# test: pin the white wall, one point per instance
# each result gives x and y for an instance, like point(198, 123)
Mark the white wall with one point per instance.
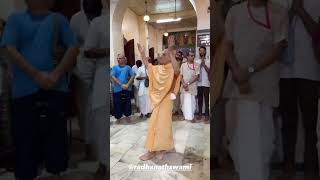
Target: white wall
point(203, 17)
point(130, 29)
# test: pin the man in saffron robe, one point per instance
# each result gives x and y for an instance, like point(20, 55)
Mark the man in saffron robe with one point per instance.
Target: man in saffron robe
point(164, 80)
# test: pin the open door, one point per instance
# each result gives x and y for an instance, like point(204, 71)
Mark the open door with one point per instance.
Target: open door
point(129, 52)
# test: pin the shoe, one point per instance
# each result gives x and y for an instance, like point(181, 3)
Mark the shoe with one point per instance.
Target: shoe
point(193, 121)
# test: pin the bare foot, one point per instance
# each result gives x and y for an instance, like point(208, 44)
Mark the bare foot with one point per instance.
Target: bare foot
point(193, 121)
point(199, 117)
point(160, 155)
point(147, 156)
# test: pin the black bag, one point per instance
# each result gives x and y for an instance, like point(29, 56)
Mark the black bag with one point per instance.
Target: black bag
point(146, 81)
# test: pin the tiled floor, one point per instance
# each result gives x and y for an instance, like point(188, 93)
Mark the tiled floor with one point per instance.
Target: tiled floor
point(192, 143)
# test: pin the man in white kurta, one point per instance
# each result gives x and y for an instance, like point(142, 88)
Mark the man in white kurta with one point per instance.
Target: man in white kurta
point(254, 42)
point(189, 72)
point(143, 98)
point(97, 49)
point(80, 23)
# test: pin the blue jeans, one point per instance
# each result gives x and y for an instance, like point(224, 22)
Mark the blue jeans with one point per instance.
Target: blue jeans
point(39, 129)
point(122, 104)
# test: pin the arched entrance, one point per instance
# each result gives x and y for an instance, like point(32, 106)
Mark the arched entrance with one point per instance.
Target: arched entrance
point(117, 12)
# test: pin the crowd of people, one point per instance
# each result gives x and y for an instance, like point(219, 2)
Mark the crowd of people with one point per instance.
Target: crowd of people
point(192, 100)
point(44, 50)
point(273, 58)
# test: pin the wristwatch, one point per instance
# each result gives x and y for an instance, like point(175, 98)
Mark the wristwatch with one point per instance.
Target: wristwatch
point(251, 69)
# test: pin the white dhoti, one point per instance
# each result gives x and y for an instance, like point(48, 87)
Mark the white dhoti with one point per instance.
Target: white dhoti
point(143, 99)
point(250, 131)
point(85, 71)
point(188, 105)
point(99, 142)
point(144, 104)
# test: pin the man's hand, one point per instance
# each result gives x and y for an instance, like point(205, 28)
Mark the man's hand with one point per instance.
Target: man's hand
point(185, 85)
point(54, 76)
point(124, 86)
point(43, 80)
point(245, 88)
point(240, 75)
point(203, 63)
point(186, 88)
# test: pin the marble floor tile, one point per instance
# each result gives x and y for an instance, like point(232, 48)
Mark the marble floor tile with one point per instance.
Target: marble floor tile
point(191, 143)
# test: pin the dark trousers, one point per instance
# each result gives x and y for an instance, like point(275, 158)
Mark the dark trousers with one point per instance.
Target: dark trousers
point(203, 93)
point(39, 130)
point(122, 104)
point(301, 93)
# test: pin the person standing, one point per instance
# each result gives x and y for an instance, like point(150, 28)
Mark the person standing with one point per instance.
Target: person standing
point(299, 88)
point(39, 88)
point(160, 137)
point(255, 38)
point(97, 50)
point(190, 73)
point(177, 101)
point(80, 23)
point(143, 98)
point(136, 83)
point(203, 84)
point(122, 77)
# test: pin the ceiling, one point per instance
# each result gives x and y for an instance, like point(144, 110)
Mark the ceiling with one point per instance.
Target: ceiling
point(189, 22)
point(163, 7)
point(159, 6)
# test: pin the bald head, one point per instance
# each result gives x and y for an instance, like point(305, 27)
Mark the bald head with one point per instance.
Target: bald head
point(122, 60)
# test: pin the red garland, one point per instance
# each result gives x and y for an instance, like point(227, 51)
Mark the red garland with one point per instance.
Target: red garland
point(268, 25)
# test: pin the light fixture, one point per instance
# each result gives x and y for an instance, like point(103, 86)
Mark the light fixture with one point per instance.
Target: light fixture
point(168, 20)
point(146, 17)
point(166, 34)
point(175, 19)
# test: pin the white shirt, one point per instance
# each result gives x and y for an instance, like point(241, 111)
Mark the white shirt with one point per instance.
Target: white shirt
point(189, 72)
point(141, 72)
point(204, 78)
point(305, 65)
point(251, 41)
point(79, 24)
point(98, 37)
point(135, 81)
